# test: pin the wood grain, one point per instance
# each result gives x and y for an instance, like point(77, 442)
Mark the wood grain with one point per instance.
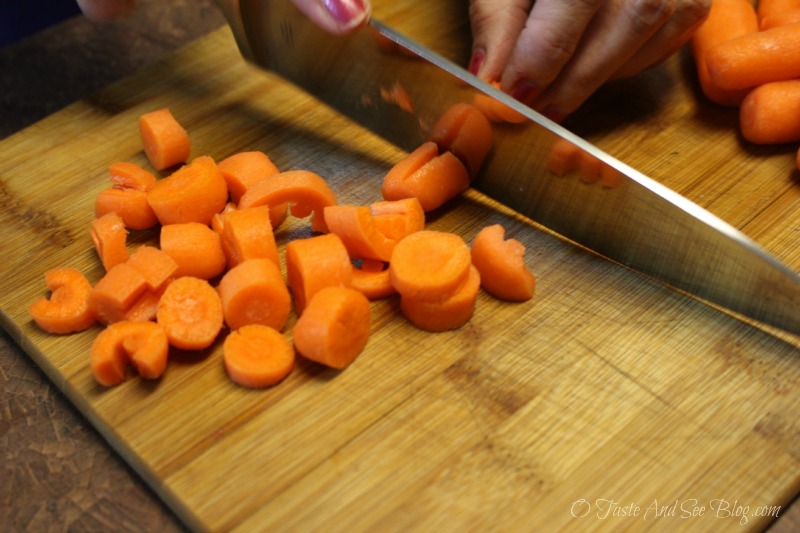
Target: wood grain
point(608, 386)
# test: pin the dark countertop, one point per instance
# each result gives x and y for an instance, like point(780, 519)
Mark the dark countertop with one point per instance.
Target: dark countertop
point(58, 474)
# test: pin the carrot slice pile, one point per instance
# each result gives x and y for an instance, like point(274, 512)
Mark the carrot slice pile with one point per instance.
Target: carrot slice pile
point(356, 226)
point(193, 193)
point(334, 328)
point(68, 309)
point(315, 263)
point(247, 234)
point(110, 239)
point(254, 292)
point(142, 344)
point(190, 311)
point(501, 264)
point(466, 132)
point(166, 142)
point(257, 356)
point(195, 247)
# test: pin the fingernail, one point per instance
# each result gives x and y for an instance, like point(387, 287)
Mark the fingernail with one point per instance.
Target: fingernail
point(524, 90)
point(348, 13)
point(476, 61)
point(554, 113)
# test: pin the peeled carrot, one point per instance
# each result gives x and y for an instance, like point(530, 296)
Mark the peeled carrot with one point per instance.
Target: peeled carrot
point(67, 310)
point(243, 169)
point(254, 292)
point(193, 193)
point(165, 141)
point(426, 175)
point(466, 132)
point(334, 328)
point(145, 307)
point(142, 344)
point(314, 263)
point(218, 220)
point(399, 218)
point(372, 279)
point(195, 247)
point(110, 239)
point(131, 206)
point(726, 20)
point(443, 315)
point(306, 192)
point(501, 264)
point(756, 58)
point(190, 311)
point(791, 16)
point(116, 292)
point(770, 113)
point(247, 234)
point(131, 176)
point(156, 266)
point(257, 356)
point(356, 226)
point(429, 265)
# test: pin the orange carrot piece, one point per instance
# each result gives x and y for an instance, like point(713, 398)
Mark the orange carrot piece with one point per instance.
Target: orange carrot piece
point(399, 218)
point(193, 193)
point(768, 8)
point(110, 239)
point(190, 311)
point(495, 110)
point(426, 175)
point(68, 309)
point(726, 20)
point(780, 19)
point(131, 176)
point(334, 328)
point(770, 113)
point(254, 292)
point(243, 169)
point(306, 191)
point(756, 58)
point(372, 280)
point(116, 292)
point(145, 307)
point(247, 234)
point(429, 265)
point(564, 157)
point(218, 220)
point(590, 168)
point(257, 356)
point(466, 132)
point(142, 344)
point(452, 313)
point(501, 264)
point(156, 266)
point(314, 263)
point(356, 227)
point(130, 204)
point(195, 247)
point(166, 143)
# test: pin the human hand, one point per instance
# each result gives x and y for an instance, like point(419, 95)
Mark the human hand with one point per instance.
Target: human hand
point(553, 54)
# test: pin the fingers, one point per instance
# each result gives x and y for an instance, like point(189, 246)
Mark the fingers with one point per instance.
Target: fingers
point(496, 25)
point(101, 10)
point(336, 16)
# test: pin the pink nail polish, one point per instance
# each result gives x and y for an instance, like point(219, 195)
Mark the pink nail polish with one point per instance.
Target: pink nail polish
point(347, 12)
point(477, 60)
point(524, 91)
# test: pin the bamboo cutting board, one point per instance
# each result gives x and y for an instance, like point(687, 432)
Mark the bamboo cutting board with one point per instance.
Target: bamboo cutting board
point(608, 403)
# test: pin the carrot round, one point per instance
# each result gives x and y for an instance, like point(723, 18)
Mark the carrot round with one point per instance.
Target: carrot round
point(305, 191)
point(426, 175)
point(451, 313)
point(315, 263)
point(726, 20)
point(117, 291)
point(399, 218)
point(142, 344)
point(190, 311)
point(254, 292)
point(131, 206)
point(372, 280)
point(166, 143)
point(67, 310)
point(466, 132)
point(193, 193)
point(257, 356)
point(156, 266)
point(131, 176)
point(770, 113)
point(110, 239)
point(334, 328)
point(247, 234)
point(243, 169)
point(756, 58)
point(429, 265)
point(356, 227)
point(195, 247)
point(501, 264)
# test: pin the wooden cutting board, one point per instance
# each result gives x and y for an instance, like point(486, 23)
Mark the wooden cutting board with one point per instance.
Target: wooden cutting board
point(607, 403)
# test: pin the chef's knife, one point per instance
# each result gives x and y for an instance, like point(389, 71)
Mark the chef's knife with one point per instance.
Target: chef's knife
point(398, 89)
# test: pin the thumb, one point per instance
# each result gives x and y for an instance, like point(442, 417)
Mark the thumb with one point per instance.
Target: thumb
point(336, 16)
point(496, 25)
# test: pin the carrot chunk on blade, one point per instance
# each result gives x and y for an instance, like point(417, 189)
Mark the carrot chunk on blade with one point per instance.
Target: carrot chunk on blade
point(257, 356)
point(501, 265)
point(190, 311)
point(68, 309)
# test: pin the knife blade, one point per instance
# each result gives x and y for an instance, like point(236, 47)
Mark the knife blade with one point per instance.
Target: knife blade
point(638, 222)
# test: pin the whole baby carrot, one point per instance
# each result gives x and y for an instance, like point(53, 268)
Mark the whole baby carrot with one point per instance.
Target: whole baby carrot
point(257, 356)
point(791, 16)
point(768, 8)
point(68, 309)
point(769, 113)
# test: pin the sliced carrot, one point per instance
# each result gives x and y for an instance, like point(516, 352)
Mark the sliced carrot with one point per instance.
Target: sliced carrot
point(110, 239)
point(334, 328)
point(466, 132)
point(166, 142)
point(495, 110)
point(756, 58)
point(314, 263)
point(426, 175)
point(372, 280)
point(131, 206)
point(257, 356)
point(67, 310)
point(726, 20)
point(501, 264)
point(429, 265)
point(452, 313)
point(243, 169)
point(305, 191)
point(356, 226)
point(769, 113)
point(131, 176)
point(116, 292)
point(399, 218)
point(218, 220)
point(193, 193)
point(564, 157)
point(190, 311)
point(247, 234)
point(145, 307)
point(195, 247)
point(254, 292)
point(142, 344)
point(156, 266)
